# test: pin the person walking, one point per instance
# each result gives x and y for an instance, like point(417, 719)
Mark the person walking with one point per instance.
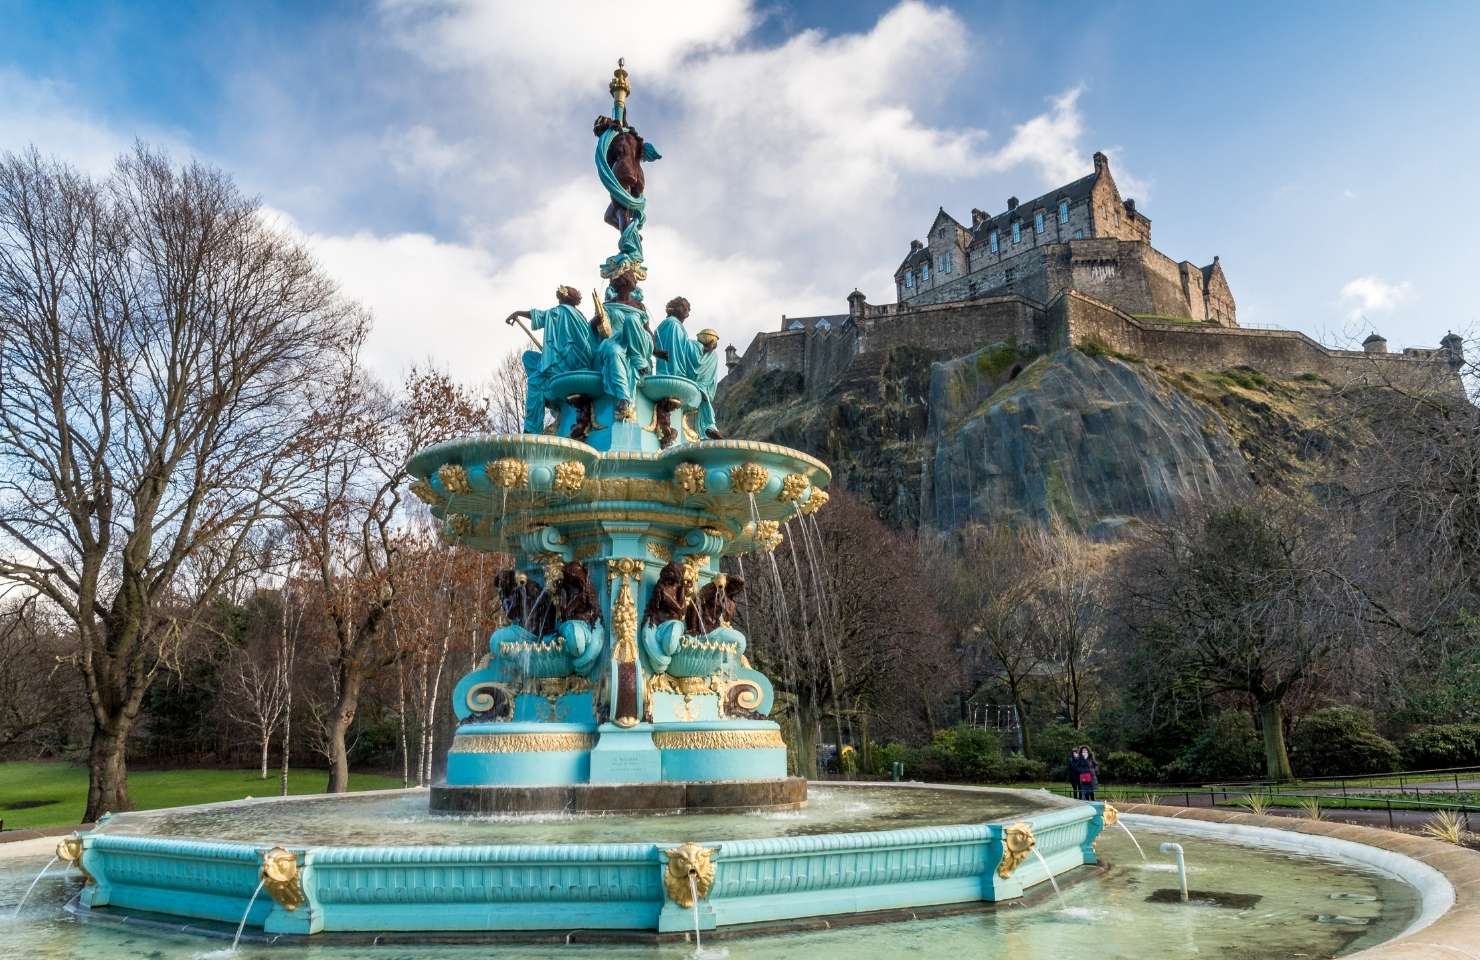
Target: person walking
point(1076, 767)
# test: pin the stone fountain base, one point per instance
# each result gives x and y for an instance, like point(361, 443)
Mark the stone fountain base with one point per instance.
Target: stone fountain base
point(712, 796)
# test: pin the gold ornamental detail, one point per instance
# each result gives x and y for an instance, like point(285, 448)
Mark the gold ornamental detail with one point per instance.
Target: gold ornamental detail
point(569, 476)
point(1111, 816)
point(793, 485)
point(483, 697)
point(552, 688)
point(522, 742)
point(815, 502)
point(749, 478)
point(658, 551)
point(280, 878)
point(1017, 842)
point(764, 534)
point(690, 872)
point(459, 524)
point(69, 851)
point(426, 493)
point(718, 740)
point(454, 478)
point(624, 620)
point(508, 473)
point(689, 477)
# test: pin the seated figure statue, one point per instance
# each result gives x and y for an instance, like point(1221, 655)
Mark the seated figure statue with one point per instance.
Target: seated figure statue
point(568, 345)
point(626, 353)
point(580, 623)
point(663, 623)
point(696, 360)
point(530, 610)
point(710, 617)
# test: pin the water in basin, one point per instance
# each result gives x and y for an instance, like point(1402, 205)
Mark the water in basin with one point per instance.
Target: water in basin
point(401, 819)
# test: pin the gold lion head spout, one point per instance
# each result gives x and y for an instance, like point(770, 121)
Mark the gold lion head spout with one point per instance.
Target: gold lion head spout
point(1017, 842)
point(69, 851)
point(689, 862)
point(281, 879)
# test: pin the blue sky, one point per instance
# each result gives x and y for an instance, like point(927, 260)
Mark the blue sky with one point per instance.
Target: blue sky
point(436, 153)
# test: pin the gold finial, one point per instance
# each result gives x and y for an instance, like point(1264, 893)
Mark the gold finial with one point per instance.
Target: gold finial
point(619, 86)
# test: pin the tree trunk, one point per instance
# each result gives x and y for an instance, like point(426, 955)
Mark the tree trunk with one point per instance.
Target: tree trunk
point(1024, 734)
point(287, 739)
point(344, 715)
point(266, 736)
point(807, 723)
point(107, 771)
point(401, 714)
point(1272, 725)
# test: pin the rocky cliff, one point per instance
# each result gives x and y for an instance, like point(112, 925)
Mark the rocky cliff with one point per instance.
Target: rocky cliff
point(1078, 437)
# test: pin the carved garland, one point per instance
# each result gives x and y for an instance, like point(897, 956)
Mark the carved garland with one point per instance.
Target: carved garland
point(522, 743)
point(719, 740)
point(624, 620)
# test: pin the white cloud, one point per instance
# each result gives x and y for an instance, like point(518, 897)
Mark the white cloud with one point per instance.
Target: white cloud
point(1372, 294)
point(1049, 143)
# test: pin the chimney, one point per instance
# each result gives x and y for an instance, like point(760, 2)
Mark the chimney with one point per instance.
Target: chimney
point(732, 357)
point(1012, 203)
point(1130, 206)
point(857, 302)
point(915, 245)
point(1374, 343)
point(1102, 163)
point(1454, 345)
point(977, 216)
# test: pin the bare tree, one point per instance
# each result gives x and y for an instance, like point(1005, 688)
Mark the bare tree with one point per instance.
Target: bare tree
point(347, 523)
point(156, 341)
point(33, 700)
point(1068, 614)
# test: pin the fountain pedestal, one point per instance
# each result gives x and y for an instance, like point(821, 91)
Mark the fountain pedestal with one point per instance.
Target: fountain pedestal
point(626, 756)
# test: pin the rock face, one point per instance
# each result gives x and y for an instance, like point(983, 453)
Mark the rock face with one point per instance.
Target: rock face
point(1082, 438)
point(1085, 441)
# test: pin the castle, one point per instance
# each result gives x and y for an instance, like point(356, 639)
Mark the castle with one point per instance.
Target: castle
point(1072, 267)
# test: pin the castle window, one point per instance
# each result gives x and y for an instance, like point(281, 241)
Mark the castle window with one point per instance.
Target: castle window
point(1038, 221)
point(822, 325)
point(944, 265)
point(924, 272)
point(1063, 211)
point(909, 278)
point(796, 325)
point(1017, 231)
point(1011, 275)
point(992, 241)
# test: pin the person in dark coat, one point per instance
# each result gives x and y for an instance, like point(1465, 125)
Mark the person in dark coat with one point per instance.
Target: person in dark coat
point(1076, 767)
point(1089, 773)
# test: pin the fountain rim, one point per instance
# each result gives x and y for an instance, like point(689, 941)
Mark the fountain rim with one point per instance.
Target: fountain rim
point(425, 461)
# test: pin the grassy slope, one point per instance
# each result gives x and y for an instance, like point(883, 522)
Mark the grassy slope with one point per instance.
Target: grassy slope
point(64, 786)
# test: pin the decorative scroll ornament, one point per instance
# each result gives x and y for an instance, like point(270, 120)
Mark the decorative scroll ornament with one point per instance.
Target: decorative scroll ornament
point(426, 493)
point(793, 485)
point(69, 851)
point(280, 878)
point(1111, 816)
point(686, 863)
point(1017, 842)
point(454, 478)
point(508, 473)
point(749, 477)
point(815, 502)
point(488, 697)
point(689, 477)
point(569, 476)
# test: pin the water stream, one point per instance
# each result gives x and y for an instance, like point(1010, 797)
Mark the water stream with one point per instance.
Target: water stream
point(246, 913)
point(1056, 891)
point(27, 895)
point(1121, 824)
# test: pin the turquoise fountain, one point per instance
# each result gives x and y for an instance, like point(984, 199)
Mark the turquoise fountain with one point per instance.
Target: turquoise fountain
point(619, 689)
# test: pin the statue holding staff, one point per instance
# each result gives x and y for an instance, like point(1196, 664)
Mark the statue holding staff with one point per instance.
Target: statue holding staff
point(568, 346)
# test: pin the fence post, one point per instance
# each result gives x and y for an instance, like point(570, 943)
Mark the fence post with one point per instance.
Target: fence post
point(1186, 799)
point(1390, 814)
point(1343, 788)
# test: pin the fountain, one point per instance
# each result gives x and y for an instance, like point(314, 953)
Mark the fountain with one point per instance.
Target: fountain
point(619, 690)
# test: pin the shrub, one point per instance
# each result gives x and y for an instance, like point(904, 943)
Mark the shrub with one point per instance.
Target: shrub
point(1340, 740)
point(882, 756)
point(1127, 766)
point(1052, 745)
point(1442, 745)
point(1228, 748)
point(1018, 768)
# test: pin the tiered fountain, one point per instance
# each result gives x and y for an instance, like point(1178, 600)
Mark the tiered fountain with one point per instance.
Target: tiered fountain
point(619, 686)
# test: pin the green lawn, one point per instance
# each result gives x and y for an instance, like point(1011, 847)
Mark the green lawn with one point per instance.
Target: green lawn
point(54, 794)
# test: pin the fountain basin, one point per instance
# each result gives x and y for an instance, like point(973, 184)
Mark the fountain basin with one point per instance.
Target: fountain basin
point(608, 886)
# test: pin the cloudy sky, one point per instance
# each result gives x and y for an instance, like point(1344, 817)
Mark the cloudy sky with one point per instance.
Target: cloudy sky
point(437, 153)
